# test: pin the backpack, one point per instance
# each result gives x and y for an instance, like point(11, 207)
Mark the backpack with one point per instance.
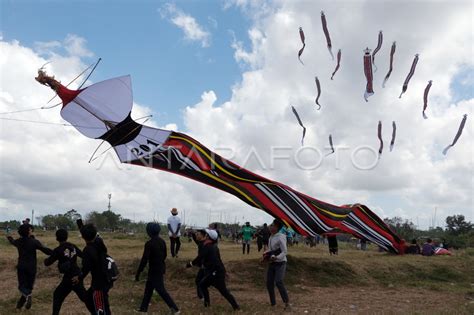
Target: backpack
point(111, 270)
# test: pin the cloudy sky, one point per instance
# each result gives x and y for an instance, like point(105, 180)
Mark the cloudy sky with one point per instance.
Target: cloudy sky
point(227, 74)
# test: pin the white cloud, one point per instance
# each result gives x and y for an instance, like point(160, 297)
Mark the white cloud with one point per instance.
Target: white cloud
point(410, 181)
point(188, 24)
point(73, 44)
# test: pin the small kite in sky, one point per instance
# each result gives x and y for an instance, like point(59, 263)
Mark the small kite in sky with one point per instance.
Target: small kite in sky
point(301, 124)
point(379, 135)
point(331, 145)
point(410, 74)
point(300, 52)
point(339, 53)
point(379, 45)
point(369, 89)
point(318, 88)
point(458, 134)
point(425, 98)
point(326, 33)
point(392, 52)
point(394, 134)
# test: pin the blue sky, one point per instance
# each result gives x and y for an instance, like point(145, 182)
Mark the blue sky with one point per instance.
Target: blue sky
point(168, 71)
point(177, 76)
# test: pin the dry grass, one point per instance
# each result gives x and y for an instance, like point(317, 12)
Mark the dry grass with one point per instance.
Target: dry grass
point(353, 282)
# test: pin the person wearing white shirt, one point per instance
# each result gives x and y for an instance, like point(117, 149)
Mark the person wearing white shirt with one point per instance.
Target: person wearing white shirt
point(277, 268)
point(174, 227)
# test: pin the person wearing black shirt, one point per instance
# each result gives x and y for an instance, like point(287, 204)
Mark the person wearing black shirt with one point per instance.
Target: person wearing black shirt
point(198, 237)
point(214, 270)
point(26, 268)
point(93, 257)
point(154, 255)
point(66, 255)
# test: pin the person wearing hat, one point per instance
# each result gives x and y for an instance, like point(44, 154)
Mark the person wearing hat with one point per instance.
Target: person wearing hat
point(174, 227)
point(214, 271)
point(154, 255)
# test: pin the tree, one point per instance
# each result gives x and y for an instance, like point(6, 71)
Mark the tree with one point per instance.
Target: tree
point(403, 228)
point(457, 225)
point(72, 215)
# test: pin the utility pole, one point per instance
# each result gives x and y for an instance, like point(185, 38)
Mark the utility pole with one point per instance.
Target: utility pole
point(110, 197)
point(32, 216)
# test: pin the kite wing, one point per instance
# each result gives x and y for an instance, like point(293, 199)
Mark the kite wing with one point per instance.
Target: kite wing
point(180, 154)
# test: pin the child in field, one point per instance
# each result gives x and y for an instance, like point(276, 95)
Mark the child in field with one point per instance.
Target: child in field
point(27, 246)
point(66, 254)
point(214, 270)
point(93, 257)
point(154, 255)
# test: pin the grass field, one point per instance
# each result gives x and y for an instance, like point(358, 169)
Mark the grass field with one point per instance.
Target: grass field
point(354, 282)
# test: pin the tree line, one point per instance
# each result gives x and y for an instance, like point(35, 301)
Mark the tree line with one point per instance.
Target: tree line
point(457, 232)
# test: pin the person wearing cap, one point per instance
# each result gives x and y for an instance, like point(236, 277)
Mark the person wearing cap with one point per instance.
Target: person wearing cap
point(277, 267)
point(214, 270)
point(154, 255)
point(174, 227)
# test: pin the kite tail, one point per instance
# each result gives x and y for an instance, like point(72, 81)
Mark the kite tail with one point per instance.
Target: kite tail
point(445, 151)
point(367, 95)
point(394, 134)
point(183, 155)
point(379, 135)
point(330, 52)
point(386, 78)
point(424, 115)
point(300, 52)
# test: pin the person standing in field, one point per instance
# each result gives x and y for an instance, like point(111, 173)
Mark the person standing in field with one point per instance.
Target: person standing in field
point(174, 227)
point(332, 243)
point(247, 234)
point(66, 255)
point(276, 254)
point(154, 255)
point(27, 246)
point(265, 236)
point(93, 262)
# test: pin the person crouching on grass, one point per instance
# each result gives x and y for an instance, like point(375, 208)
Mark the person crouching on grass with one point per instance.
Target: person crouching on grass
point(154, 254)
point(277, 266)
point(26, 268)
point(214, 270)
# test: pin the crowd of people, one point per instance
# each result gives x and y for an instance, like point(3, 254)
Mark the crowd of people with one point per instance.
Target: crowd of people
point(273, 240)
point(103, 271)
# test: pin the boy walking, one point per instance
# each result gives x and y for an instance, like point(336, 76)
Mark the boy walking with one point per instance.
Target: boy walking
point(93, 257)
point(66, 254)
point(214, 270)
point(154, 255)
point(27, 246)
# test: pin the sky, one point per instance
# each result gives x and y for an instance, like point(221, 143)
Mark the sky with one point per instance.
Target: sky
point(227, 73)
